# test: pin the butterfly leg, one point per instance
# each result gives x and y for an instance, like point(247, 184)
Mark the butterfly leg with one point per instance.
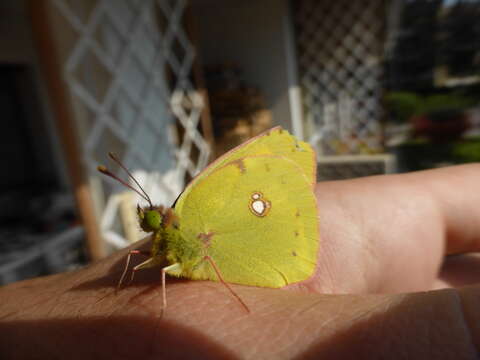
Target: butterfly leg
point(164, 291)
point(127, 263)
point(217, 271)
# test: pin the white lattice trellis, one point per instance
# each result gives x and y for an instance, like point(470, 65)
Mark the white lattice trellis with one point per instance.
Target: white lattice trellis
point(129, 76)
point(340, 47)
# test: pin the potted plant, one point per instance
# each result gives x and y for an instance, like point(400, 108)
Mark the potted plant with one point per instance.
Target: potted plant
point(441, 118)
point(432, 124)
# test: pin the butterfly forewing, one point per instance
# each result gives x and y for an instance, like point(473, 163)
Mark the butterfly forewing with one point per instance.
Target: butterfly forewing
point(276, 142)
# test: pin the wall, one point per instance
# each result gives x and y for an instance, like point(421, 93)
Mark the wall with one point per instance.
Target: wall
point(17, 49)
point(15, 41)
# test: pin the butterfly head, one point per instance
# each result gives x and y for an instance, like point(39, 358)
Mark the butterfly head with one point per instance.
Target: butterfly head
point(154, 218)
point(150, 219)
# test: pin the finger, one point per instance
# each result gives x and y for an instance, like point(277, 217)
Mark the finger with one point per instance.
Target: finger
point(460, 270)
point(456, 190)
point(389, 233)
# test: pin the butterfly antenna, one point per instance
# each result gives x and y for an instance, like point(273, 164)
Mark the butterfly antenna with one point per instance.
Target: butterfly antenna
point(107, 172)
point(143, 193)
point(114, 158)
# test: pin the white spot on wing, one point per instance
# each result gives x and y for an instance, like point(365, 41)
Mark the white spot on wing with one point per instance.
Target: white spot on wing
point(258, 206)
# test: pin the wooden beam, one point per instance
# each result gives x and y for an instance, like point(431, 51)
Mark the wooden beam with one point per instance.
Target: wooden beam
point(60, 102)
point(199, 79)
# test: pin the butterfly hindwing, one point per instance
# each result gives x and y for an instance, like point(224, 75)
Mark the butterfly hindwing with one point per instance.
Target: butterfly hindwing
point(256, 217)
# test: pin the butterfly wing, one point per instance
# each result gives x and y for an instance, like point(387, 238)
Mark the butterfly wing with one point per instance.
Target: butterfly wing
point(275, 141)
point(256, 217)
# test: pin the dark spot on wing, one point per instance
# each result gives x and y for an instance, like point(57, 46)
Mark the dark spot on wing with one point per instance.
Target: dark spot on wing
point(296, 233)
point(294, 253)
point(206, 238)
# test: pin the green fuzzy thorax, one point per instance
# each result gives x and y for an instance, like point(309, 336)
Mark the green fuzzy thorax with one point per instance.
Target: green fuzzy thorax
point(170, 243)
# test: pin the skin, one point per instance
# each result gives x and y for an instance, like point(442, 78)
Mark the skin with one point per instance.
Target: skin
point(380, 290)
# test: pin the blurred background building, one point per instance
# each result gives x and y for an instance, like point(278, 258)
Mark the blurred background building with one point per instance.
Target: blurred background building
point(375, 86)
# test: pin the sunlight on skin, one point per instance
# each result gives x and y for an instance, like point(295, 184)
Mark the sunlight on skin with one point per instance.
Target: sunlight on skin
point(382, 238)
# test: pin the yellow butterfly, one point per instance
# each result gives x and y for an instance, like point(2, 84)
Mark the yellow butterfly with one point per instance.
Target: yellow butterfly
point(249, 218)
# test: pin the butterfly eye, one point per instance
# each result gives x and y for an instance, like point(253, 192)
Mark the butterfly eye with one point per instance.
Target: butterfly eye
point(152, 220)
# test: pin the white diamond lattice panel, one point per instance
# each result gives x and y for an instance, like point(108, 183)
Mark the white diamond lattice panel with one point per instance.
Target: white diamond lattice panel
point(340, 49)
point(129, 75)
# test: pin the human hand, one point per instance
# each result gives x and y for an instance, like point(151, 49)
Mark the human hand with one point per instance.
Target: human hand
point(383, 240)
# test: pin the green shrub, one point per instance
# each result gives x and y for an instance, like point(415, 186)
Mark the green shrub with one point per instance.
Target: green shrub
point(402, 105)
point(467, 151)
